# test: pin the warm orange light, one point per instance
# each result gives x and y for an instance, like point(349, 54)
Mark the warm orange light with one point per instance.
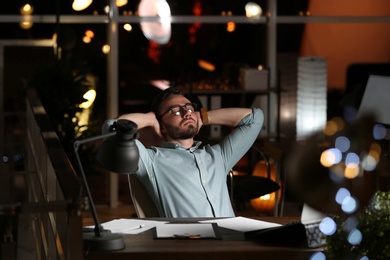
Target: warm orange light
point(327, 158)
point(26, 22)
point(206, 65)
point(121, 3)
point(86, 39)
point(230, 27)
point(265, 203)
point(26, 9)
point(351, 171)
point(89, 33)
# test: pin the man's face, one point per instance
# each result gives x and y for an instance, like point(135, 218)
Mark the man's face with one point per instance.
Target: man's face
point(182, 126)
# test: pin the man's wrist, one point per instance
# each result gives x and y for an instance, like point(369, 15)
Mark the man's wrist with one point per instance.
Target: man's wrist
point(204, 115)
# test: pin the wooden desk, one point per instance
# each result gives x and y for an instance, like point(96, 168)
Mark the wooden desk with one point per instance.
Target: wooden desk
point(232, 246)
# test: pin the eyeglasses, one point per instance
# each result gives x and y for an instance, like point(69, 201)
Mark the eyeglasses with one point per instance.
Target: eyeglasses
point(178, 110)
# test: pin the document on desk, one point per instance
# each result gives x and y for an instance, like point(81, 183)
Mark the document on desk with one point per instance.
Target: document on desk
point(242, 224)
point(188, 231)
point(130, 226)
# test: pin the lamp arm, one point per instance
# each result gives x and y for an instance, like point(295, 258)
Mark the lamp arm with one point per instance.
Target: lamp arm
point(76, 145)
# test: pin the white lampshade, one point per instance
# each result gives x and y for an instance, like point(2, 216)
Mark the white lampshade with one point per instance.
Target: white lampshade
point(311, 96)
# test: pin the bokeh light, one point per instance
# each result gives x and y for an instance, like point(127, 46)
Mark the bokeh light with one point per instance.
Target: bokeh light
point(89, 33)
point(230, 26)
point(318, 256)
point(330, 157)
point(349, 205)
point(86, 39)
point(327, 226)
point(341, 194)
point(352, 160)
point(333, 126)
point(350, 223)
point(350, 114)
point(79, 5)
point(106, 49)
point(128, 27)
point(355, 237)
point(369, 163)
point(5, 159)
point(26, 9)
point(375, 151)
point(351, 171)
point(253, 10)
point(121, 3)
point(379, 132)
point(342, 143)
point(352, 168)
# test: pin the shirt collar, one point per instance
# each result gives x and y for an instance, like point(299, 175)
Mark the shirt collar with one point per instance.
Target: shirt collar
point(179, 146)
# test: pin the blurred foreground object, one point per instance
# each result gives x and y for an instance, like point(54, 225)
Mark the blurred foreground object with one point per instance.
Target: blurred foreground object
point(339, 169)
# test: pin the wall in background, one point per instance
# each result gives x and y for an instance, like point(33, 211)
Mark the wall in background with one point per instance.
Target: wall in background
point(344, 44)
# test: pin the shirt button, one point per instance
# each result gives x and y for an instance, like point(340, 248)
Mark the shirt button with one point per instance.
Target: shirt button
point(198, 161)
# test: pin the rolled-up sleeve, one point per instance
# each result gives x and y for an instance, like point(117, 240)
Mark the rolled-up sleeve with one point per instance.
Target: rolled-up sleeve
point(236, 144)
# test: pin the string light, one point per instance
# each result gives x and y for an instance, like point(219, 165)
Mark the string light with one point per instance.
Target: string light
point(26, 9)
point(230, 26)
point(253, 10)
point(127, 27)
point(121, 3)
point(106, 49)
point(79, 5)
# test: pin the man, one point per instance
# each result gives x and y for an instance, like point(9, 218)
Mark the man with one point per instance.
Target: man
point(183, 178)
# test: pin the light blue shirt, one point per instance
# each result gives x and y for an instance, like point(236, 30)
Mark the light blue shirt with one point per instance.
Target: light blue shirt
point(192, 182)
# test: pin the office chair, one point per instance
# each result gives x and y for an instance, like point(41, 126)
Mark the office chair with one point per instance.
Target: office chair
point(143, 204)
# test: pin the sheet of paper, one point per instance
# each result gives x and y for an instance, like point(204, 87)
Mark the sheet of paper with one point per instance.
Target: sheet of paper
point(191, 231)
point(242, 224)
point(130, 226)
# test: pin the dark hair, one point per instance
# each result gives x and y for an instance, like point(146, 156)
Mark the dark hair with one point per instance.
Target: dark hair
point(166, 93)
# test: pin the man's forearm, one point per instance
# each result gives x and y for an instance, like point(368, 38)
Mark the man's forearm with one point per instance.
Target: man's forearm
point(228, 116)
point(141, 119)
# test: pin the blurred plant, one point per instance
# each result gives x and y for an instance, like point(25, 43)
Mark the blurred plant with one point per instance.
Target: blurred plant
point(61, 85)
point(374, 226)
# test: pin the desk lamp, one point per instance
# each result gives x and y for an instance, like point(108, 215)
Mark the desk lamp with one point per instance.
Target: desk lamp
point(118, 153)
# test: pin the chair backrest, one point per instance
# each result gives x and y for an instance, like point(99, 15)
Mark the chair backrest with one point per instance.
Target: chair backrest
point(143, 204)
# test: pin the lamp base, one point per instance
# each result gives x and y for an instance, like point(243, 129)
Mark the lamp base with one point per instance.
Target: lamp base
point(104, 242)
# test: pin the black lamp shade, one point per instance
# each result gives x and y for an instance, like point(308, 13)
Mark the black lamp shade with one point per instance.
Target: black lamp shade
point(119, 153)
